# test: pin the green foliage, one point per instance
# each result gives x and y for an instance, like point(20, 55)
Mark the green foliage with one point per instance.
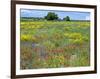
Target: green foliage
point(51, 16)
point(67, 18)
point(49, 44)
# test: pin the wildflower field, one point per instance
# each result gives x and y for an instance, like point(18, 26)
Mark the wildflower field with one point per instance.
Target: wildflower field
point(54, 44)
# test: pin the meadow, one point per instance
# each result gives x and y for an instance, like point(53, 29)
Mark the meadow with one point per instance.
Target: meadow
point(54, 44)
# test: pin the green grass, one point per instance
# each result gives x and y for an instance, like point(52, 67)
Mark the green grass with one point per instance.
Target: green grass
point(53, 44)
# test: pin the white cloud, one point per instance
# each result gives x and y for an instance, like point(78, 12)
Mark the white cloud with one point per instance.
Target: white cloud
point(87, 18)
point(26, 11)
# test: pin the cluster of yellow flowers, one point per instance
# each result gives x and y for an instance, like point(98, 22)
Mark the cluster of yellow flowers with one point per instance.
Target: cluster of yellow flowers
point(76, 38)
point(73, 35)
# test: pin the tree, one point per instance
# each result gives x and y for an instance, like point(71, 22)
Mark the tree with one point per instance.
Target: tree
point(51, 16)
point(67, 18)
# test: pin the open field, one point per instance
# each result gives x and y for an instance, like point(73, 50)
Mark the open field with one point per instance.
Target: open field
point(54, 44)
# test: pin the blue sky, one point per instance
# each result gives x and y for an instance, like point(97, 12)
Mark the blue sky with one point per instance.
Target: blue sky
point(61, 14)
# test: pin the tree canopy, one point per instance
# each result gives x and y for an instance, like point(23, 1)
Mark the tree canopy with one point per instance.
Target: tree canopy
point(51, 16)
point(67, 18)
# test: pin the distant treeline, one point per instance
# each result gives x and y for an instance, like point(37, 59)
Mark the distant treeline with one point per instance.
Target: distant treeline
point(51, 16)
point(32, 19)
point(43, 19)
